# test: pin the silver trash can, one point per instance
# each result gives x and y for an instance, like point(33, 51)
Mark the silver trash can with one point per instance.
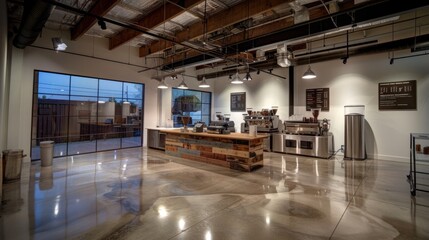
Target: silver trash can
point(12, 164)
point(354, 132)
point(46, 153)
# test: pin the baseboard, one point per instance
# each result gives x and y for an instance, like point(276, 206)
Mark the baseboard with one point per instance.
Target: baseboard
point(388, 158)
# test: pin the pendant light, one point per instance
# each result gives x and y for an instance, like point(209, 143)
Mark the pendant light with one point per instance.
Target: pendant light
point(236, 79)
point(204, 84)
point(309, 74)
point(162, 84)
point(183, 84)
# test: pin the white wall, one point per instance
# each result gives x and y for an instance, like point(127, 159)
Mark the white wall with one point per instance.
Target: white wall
point(24, 62)
point(263, 91)
point(356, 83)
point(353, 83)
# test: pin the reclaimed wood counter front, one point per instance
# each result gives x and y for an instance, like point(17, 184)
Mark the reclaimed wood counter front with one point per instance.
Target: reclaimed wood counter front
point(236, 150)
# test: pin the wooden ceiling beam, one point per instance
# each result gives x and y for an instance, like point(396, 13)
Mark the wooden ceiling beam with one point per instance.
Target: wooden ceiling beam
point(235, 14)
point(100, 8)
point(263, 30)
point(153, 19)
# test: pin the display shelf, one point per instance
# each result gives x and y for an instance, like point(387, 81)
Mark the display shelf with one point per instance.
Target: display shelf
point(419, 142)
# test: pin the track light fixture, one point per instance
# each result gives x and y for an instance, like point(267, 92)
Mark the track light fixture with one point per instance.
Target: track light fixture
point(102, 24)
point(345, 60)
point(58, 44)
point(247, 77)
point(392, 60)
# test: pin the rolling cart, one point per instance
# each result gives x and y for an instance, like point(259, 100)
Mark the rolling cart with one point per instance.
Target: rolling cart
point(419, 152)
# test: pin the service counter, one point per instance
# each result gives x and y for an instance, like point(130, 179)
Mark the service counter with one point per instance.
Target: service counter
point(238, 151)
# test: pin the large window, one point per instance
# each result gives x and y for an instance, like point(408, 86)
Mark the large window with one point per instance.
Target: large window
point(83, 114)
point(196, 104)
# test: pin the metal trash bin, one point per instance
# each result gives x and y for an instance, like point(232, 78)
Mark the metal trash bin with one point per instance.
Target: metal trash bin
point(46, 153)
point(12, 164)
point(354, 132)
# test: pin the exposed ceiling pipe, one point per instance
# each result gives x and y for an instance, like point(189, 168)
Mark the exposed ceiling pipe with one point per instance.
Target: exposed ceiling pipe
point(336, 53)
point(323, 25)
point(35, 15)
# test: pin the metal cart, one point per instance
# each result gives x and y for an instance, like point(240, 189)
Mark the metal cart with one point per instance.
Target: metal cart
point(418, 153)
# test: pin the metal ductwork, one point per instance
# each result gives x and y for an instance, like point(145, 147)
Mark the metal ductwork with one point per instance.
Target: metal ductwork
point(36, 13)
point(283, 56)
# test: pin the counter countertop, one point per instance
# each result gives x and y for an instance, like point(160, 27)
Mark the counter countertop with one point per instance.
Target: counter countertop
point(161, 128)
point(239, 136)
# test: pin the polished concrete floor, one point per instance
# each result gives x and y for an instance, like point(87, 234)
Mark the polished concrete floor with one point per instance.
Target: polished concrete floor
point(143, 194)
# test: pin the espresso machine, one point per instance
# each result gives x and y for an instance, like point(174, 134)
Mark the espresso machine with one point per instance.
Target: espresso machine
point(222, 125)
point(310, 137)
point(266, 120)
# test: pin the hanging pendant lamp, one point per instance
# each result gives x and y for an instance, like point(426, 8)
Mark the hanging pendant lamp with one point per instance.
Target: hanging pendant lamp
point(183, 84)
point(162, 84)
point(236, 79)
point(204, 84)
point(309, 74)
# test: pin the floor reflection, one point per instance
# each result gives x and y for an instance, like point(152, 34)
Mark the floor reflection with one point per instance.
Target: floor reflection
point(141, 193)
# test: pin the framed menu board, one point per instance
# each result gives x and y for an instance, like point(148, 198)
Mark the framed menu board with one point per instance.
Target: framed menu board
point(317, 98)
point(400, 95)
point(238, 102)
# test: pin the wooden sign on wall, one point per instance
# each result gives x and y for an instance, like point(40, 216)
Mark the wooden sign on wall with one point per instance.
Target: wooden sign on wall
point(317, 98)
point(400, 95)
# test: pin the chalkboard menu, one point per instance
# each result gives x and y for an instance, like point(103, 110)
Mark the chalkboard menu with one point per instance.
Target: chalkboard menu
point(317, 98)
point(238, 102)
point(397, 95)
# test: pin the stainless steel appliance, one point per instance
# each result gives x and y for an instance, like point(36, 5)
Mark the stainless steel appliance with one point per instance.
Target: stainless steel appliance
point(354, 132)
point(155, 139)
point(221, 127)
point(265, 124)
point(266, 121)
point(305, 138)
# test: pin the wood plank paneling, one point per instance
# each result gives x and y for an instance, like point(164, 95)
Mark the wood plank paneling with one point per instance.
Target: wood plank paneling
point(239, 154)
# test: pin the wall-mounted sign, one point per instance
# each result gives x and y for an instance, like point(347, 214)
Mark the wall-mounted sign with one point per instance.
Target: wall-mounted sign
point(238, 102)
point(317, 98)
point(397, 95)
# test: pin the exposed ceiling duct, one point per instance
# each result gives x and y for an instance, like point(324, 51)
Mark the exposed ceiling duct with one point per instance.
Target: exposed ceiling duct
point(260, 55)
point(36, 13)
point(283, 58)
point(320, 26)
point(301, 11)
